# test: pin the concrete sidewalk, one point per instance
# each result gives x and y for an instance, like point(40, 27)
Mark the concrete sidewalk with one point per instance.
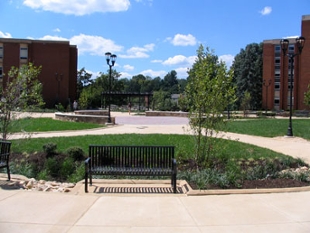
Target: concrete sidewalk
point(30, 211)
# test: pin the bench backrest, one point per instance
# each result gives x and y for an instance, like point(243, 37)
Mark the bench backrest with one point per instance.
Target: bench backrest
point(5, 147)
point(131, 156)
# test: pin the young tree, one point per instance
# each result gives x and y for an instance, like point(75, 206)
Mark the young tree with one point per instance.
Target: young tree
point(22, 92)
point(307, 96)
point(209, 91)
point(246, 103)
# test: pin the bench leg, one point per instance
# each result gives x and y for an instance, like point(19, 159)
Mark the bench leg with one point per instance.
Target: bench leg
point(8, 171)
point(174, 183)
point(86, 182)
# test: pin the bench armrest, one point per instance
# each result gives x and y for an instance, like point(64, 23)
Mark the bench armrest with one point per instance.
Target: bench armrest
point(87, 161)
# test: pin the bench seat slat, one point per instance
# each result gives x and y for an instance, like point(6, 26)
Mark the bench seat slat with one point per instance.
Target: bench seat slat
point(131, 171)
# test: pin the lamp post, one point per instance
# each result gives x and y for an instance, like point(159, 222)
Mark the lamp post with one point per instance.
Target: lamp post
point(266, 85)
point(110, 57)
point(300, 41)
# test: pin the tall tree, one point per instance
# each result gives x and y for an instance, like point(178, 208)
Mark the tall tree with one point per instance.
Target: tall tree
point(209, 91)
point(83, 79)
point(248, 71)
point(170, 82)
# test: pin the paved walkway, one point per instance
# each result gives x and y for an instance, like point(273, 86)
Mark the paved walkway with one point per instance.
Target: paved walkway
point(24, 211)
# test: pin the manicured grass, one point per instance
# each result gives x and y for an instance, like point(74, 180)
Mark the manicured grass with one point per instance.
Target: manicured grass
point(48, 124)
point(270, 127)
point(184, 145)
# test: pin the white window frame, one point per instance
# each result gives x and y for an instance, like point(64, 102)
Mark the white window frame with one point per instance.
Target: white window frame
point(23, 53)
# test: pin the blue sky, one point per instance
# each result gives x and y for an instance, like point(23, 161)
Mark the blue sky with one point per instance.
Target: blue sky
point(151, 37)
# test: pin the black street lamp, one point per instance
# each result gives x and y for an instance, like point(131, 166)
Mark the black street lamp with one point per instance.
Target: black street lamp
point(112, 58)
point(266, 85)
point(300, 41)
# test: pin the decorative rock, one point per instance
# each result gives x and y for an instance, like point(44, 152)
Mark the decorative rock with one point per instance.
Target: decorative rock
point(45, 186)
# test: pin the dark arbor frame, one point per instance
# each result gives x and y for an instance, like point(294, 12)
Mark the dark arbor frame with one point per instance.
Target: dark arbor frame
point(129, 95)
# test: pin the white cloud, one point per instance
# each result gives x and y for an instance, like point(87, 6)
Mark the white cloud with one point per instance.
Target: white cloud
point(157, 61)
point(56, 30)
point(138, 52)
point(128, 67)
point(5, 35)
point(94, 45)
point(228, 59)
point(290, 37)
point(266, 11)
point(152, 73)
point(48, 37)
point(180, 60)
point(80, 7)
point(182, 72)
point(183, 40)
point(125, 75)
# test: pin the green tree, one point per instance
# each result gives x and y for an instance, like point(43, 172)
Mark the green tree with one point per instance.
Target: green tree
point(161, 100)
point(307, 96)
point(248, 73)
point(170, 82)
point(83, 79)
point(209, 91)
point(22, 92)
point(246, 103)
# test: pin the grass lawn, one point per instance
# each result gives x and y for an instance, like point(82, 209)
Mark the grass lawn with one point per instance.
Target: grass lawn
point(48, 124)
point(184, 145)
point(270, 127)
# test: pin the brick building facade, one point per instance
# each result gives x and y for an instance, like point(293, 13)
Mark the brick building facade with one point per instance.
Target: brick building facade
point(59, 66)
point(276, 72)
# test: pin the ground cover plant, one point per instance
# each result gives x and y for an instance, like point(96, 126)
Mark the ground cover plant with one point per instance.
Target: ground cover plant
point(235, 165)
point(269, 127)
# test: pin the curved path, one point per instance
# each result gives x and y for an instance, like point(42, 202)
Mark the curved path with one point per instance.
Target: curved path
point(127, 124)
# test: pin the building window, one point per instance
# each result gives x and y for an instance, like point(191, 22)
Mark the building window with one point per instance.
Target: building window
point(277, 78)
point(277, 86)
point(291, 48)
point(23, 53)
point(277, 50)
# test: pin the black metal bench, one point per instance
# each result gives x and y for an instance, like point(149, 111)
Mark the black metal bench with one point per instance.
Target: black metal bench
point(5, 147)
point(131, 161)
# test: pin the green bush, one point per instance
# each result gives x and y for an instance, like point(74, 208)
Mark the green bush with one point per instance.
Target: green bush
point(78, 174)
point(76, 153)
point(67, 168)
point(23, 168)
point(52, 167)
point(50, 149)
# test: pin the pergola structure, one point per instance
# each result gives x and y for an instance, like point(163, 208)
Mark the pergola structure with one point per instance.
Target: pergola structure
point(128, 95)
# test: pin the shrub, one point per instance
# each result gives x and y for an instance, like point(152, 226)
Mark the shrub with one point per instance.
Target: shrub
point(50, 149)
point(52, 167)
point(67, 168)
point(78, 175)
point(76, 153)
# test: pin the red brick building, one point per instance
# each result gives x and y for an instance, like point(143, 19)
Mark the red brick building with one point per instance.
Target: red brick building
point(59, 66)
point(276, 72)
